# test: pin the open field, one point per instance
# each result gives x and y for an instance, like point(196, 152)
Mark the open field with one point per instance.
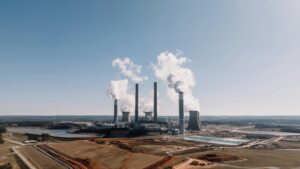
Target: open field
point(158, 145)
point(5, 151)
point(14, 161)
point(15, 137)
point(39, 159)
point(7, 156)
point(7, 144)
point(289, 144)
point(127, 153)
point(104, 156)
point(256, 158)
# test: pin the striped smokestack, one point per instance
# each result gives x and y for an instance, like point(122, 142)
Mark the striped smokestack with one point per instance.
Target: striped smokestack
point(181, 113)
point(116, 111)
point(136, 103)
point(155, 102)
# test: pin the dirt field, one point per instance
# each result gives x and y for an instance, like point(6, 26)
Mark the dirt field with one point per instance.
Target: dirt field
point(104, 156)
point(14, 161)
point(151, 145)
point(38, 159)
point(8, 156)
point(289, 144)
point(257, 158)
point(7, 144)
point(15, 137)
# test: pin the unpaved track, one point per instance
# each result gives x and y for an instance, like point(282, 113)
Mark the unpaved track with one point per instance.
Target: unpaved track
point(24, 159)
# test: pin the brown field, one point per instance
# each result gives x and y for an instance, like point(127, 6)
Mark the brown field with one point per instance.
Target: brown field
point(150, 145)
point(6, 151)
point(256, 158)
point(14, 161)
point(136, 153)
point(104, 156)
point(7, 144)
point(39, 159)
point(289, 144)
point(15, 136)
point(7, 156)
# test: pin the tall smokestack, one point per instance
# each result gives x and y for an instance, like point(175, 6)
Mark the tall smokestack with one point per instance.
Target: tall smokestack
point(155, 102)
point(181, 113)
point(116, 111)
point(136, 103)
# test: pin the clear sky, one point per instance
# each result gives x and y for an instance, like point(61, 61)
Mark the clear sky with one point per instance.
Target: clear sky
point(55, 55)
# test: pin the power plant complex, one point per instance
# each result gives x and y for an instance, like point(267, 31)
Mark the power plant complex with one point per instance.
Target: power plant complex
point(152, 117)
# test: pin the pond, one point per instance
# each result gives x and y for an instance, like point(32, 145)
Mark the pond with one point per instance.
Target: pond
point(55, 133)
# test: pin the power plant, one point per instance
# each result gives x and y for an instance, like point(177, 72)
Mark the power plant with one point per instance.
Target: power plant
point(151, 117)
point(194, 121)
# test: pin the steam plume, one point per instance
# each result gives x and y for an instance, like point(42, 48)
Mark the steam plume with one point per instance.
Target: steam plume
point(118, 89)
point(129, 69)
point(171, 69)
point(147, 102)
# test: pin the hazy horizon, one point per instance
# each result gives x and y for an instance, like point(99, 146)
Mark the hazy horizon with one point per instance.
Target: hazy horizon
point(56, 56)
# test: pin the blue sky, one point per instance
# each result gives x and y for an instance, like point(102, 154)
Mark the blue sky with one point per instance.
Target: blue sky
point(55, 56)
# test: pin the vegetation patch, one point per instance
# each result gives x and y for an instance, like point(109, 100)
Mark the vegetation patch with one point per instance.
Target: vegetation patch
point(213, 157)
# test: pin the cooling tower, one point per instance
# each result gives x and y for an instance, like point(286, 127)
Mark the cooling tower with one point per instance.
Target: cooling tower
point(194, 121)
point(116, 111)
point(126, 117)
point(148, 114)
point(136, 103)
point(181, 113)
point(155, 102)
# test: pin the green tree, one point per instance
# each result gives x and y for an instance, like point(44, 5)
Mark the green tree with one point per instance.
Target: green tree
point(2, 128)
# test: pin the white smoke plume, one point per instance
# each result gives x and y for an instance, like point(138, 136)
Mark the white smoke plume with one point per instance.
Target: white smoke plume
point(127, 103)
point(129, 69)
point(171, 69)
point(146, 103)
point(118, 89)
